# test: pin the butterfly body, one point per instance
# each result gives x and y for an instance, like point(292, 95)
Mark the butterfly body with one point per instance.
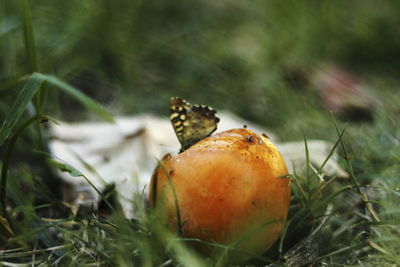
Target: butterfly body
point(191, 122)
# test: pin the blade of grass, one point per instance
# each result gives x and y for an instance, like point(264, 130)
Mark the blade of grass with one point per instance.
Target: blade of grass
point(377, 247)
point(318, 206)
point(41, 102)
point(254, 230)
point(282, 237)
point(353, 177)
point(175, 195)
point(308, 165)
point(76, 173)
point(332, 150)
point(30, 48)
point(184, 256)
point(336, 252)
point(33, 84)
point(5, 229)
point(396, 158)
point(7, 157)
point(28, 35)
point(302, 194)
point(28, 253)
point(226, 247)
point(81, 97)
point(89, 103)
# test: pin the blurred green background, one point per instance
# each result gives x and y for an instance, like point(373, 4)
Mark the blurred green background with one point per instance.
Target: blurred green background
point(248, 57)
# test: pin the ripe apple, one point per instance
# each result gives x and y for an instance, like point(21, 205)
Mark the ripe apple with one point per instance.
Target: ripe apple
point(229, 188)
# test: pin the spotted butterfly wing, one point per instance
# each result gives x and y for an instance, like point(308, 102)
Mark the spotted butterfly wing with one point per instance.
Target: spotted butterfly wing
point(191, 122)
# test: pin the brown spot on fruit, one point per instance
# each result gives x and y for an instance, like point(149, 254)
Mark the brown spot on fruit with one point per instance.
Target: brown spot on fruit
point(166, 157)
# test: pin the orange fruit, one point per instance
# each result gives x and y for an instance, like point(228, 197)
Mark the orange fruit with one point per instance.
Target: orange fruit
point(229, 188)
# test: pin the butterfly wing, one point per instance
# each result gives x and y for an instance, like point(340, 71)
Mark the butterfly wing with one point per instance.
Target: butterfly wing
point(200, 123)
point(191, 123)
point(178, 114)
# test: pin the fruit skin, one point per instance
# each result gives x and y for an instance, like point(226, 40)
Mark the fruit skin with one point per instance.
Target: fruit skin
point(229, 187)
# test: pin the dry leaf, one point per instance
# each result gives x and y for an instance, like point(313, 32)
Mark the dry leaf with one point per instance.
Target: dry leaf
point(125, 153)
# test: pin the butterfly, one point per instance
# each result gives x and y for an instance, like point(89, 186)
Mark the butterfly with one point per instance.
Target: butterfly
point(191, 122)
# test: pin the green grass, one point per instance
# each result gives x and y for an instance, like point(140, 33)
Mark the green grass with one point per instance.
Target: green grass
point(251, 58)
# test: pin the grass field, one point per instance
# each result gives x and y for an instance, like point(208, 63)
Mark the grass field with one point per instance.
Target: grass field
point(92, 60)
